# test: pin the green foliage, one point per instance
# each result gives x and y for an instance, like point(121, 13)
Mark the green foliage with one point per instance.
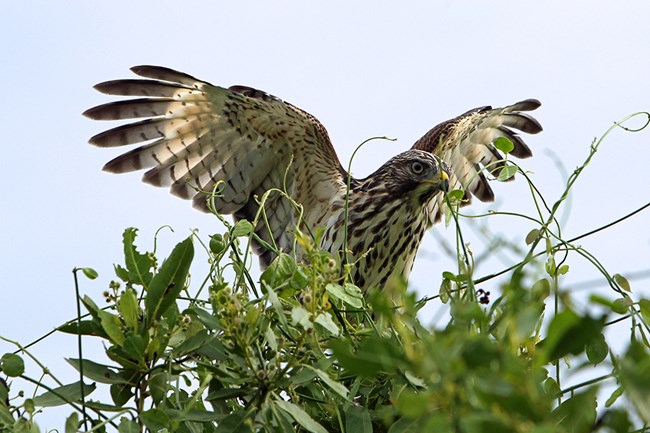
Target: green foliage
point(304, 350)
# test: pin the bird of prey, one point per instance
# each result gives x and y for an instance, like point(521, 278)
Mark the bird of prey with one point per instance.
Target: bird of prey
point(196, 136)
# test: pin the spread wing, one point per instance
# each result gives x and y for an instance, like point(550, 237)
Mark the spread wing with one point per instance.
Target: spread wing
point(466, 144)
point(195, 135)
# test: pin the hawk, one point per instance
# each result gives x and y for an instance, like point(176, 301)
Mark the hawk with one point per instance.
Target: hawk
point(196, 136)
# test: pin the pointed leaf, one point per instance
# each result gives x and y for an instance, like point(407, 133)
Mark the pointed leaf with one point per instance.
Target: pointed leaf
point(63, 394)
point(301, 417)
point(167, 284)
point(138, 265)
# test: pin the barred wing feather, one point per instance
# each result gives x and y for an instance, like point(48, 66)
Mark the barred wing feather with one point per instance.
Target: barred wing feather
point(195, 135)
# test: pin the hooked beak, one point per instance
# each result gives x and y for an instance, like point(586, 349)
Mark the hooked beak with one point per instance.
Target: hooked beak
point(442, 181)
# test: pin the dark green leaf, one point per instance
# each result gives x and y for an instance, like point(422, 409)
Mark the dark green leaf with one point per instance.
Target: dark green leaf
point(121, 393)
point(156, 420)
point(86, 327)
point(578, 413)
point(484, 422)
point(217, 244)
point(167, 284)
point(72, 423)
point(138, 265)
point(63, 395)
point(618, 420)
point(193, 343)
point(335, 386)
point(504, 145)
point(635, 377)
point(97, 372)
point(12, 365)
point(597, 349)
point(135, 346)
point(235, 422)
point(300, 416)
point(128, 426)
point(112, 326)
point(569, 333)
point(357, 419)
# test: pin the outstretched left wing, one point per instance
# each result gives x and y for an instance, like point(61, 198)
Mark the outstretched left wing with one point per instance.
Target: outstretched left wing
point(195, 136)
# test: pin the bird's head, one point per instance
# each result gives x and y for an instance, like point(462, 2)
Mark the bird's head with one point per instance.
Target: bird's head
point(414, 173)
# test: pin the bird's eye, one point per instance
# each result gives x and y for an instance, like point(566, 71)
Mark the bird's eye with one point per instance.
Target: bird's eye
point(417, 167)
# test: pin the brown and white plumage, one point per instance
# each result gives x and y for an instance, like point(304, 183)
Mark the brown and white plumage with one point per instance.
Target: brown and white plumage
point(195, 135)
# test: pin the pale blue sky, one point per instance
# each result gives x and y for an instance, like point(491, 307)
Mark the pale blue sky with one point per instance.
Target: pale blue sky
point(363, 68)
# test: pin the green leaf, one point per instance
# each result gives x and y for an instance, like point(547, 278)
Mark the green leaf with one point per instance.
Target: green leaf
point(138, 265)
point(155, 419)
point(621, 305)
point(635, 377)
point(504, 145)
point(86, 327)
point(644, 307)
point(618, 421)
point(90, 273)
point(532, 236)
point(578, 413)
point(412, 404)
point(279, 271)
point(127, 306)
point(615, 395)
point(167, 284)
point(622, 281)
point(335, 386)
point(121, 393)
point(63, 394)
point(507, 172)
point(128, 426)
point(97, 372)
point(445, 291)
point(72, 423)
point(562, 270)
point(597, 349)
point(217, 244)
point(348, 294)
point(112, 325)
point(568, 333)
point(357, 419)
point(300, 316)
point(300, 416)
point(456, 194)
point(12, 365)
point(325, 320)
point(235, 422)
point(242, 228)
